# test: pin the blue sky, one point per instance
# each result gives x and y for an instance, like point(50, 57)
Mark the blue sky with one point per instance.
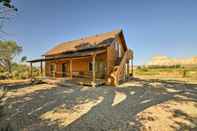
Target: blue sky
point(151, 27)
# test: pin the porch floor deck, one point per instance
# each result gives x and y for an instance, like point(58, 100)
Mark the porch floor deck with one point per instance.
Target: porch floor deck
point(75, 80)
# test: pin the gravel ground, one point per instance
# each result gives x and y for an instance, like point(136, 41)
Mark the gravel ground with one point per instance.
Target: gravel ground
point(136, 105)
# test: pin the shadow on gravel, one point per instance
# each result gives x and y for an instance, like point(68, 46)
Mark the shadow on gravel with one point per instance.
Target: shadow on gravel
point(138, 98)
point(132, 98)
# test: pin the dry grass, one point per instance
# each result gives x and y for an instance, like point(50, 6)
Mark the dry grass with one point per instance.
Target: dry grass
point(170, 115)
point(11, 81)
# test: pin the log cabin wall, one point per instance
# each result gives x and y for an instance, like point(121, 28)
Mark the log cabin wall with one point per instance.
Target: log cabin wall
point(113, 52)
point(101, 65)
point(111, 57)
point(121, 48)
point(81, 65)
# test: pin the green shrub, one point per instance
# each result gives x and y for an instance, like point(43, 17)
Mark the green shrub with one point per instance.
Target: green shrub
point(138, 67)
point(19, 71)
point(143, 68)
point(4, 75)
point(164, 66)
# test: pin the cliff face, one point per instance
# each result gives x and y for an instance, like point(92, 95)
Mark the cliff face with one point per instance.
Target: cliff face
point(167, 61)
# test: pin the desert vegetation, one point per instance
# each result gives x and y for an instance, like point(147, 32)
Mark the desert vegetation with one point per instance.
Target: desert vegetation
point(168, 67)
point(173, 71)
point(19, 71)
point(9, 67)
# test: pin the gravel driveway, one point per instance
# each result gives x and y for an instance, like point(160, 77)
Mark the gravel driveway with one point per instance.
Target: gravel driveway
point(135, 105)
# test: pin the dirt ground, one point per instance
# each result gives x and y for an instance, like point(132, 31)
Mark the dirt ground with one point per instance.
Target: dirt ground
point(139, 104)
point(14, 82)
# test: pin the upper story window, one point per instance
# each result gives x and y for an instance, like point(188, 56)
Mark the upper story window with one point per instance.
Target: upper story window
point(118, 49)
point(116, 46)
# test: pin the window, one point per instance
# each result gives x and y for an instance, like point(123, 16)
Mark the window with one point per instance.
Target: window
point(120, 51)
point(116, 46)
point(90, 66)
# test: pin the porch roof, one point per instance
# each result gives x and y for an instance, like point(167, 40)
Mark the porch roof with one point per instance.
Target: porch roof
point(70, 55)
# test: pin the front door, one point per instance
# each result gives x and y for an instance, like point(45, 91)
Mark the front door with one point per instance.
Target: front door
point(53, 69)
point(100, 69)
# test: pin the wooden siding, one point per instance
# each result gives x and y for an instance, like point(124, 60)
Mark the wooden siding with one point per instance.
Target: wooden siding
point(112, 54)
point(111, 58)
point(120, 45)
point(81, 65)
point(115, 68)
point(78, 65)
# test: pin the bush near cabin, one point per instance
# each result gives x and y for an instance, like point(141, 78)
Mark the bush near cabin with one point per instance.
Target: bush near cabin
point(9, 69)
point(19, 71)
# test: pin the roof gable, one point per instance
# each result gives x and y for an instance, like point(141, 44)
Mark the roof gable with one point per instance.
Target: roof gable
point(84, 43)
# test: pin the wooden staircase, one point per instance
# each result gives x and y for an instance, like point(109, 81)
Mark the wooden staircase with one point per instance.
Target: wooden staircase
point(118, 71)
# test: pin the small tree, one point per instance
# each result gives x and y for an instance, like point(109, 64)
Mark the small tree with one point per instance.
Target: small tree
point(24, 59)
point(8, 51)
point(7, 4)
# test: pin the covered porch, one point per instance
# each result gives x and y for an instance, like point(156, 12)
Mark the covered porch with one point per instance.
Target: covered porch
point(84, 68)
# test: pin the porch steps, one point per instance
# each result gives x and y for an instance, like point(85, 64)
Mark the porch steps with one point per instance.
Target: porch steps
point(118, 73)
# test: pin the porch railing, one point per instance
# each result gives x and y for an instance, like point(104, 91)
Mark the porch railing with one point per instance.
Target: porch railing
point(80, 74)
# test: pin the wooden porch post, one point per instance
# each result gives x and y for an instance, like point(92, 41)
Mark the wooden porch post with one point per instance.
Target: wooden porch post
point(71, 72)
point(41, 70)
point(31, 70)
point(128, 69)
point(132, 67)
point(93, 70)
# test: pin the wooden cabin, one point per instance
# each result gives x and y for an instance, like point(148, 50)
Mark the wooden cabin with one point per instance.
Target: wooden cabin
point(103, 58)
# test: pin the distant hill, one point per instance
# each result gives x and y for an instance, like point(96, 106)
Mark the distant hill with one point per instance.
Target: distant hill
point(168, 61)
